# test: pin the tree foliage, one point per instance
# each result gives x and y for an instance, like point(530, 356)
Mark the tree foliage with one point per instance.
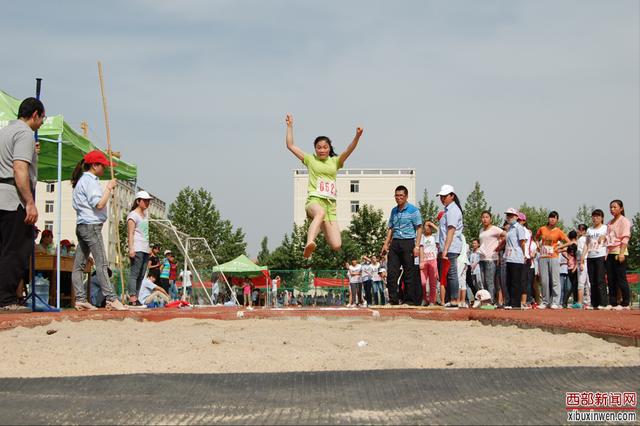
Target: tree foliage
point(537, 217)
point(263, 255)
point(583, 216)
point(473, 208)
point(368, 230)
point(428, 207)
point(634, 243)
point(194, 212)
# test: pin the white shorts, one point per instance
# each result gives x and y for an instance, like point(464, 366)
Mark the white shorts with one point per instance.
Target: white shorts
point(583, 278)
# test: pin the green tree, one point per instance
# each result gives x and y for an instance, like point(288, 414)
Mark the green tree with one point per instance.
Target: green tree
point(634, 243)
point(263, 255)
point(583, 215)
point(194, 212)
point(288, 255)
point(473, 208)
point(537, 217)
point(368, 230)
point(428, 208)
point(324, 258)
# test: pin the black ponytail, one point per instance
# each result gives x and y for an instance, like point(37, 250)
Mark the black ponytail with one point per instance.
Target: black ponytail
point(457, 201)
point(80, 168)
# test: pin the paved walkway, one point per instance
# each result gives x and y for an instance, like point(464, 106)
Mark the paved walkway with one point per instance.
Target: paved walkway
point(481, 396)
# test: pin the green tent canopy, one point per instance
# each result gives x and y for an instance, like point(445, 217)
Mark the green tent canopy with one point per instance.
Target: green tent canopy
point(74, 146)
point(242, 266)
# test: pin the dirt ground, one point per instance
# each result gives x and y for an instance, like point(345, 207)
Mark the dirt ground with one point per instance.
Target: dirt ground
point(192, 345)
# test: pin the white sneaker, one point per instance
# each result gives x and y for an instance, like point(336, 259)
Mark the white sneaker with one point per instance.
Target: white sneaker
point(116, 305)
point(618, 307)
point(507, 307)
point(607, 308)
point(84, 306)
point(554, 306)
point(542, 306)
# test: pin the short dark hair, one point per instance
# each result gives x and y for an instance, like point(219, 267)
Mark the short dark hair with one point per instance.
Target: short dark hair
point(403, 189)
point(597, 212)
point(554, 214)
point(29, 106)
point(572, 235)
point(582, 227)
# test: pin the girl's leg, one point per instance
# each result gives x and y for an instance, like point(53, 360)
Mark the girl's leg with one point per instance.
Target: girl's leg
point(432, 273)
point(316, 213)
point(332, 235)
point(423, 281)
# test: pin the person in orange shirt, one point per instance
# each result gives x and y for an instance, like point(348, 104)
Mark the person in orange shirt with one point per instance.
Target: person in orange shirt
point(548, 237)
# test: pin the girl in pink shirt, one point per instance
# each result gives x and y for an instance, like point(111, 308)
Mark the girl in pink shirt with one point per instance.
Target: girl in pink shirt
point(618, 234)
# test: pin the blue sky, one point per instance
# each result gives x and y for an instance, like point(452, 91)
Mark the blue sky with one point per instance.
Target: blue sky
point(537, 100)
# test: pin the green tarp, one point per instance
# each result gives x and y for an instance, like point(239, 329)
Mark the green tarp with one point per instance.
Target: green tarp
point(74, 146)
point(243, 266)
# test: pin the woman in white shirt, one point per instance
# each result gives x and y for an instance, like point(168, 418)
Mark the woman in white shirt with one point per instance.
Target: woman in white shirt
point(138, 242)
point(596, 247)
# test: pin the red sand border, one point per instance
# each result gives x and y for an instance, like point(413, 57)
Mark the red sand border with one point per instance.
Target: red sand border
point(622, 327)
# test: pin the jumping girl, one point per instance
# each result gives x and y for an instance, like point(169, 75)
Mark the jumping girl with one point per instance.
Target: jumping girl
point(323, 167)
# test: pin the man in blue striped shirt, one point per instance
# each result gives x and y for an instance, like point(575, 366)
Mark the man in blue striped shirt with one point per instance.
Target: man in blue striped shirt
point(402, 246)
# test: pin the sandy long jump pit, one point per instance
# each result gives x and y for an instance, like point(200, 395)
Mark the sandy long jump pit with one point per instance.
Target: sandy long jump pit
point(187, 345)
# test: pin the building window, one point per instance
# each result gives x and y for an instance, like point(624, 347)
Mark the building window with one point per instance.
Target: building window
point(48, 224)
point(355, 186)
point(48, 207)
point(355, 206)
point(51, 187)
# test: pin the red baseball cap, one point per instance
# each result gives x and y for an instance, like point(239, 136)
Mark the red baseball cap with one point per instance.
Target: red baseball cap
point(97, 156)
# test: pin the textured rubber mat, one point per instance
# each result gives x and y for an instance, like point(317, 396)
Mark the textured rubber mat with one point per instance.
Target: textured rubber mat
point(440, 396)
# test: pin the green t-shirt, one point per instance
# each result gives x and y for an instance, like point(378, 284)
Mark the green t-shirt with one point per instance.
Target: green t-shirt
point(322, 176)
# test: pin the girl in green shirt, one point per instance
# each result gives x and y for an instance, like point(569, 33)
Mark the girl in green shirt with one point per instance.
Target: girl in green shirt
point(323, 168)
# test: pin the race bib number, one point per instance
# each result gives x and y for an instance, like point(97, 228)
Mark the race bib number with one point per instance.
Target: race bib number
point(594, 245)
point(326, 188)
point(546, 251)
point(430, 255)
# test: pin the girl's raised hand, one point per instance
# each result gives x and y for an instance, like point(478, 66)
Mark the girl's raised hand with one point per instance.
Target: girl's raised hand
point(289, 120)
point(359, 131)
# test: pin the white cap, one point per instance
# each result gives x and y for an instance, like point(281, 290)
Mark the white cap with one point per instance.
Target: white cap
point(144, 195)
point(481, 296)
point(166, 252)
point(445, 190)
point(512, 211)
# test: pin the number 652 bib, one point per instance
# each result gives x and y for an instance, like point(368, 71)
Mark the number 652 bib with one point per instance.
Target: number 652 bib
point(326, 189)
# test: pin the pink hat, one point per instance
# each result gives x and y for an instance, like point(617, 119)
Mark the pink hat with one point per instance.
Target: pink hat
point(522, 216)
point(512, 211)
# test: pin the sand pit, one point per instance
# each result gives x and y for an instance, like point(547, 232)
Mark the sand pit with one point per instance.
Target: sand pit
point(314, 344)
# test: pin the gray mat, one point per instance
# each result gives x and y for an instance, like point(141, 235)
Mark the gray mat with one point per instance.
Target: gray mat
point(439, 396)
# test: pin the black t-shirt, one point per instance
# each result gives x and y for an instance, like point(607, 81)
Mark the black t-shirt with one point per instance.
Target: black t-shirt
point(154, 272)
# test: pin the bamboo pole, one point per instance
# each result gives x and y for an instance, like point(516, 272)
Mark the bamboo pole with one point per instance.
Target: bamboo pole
point(114, 201)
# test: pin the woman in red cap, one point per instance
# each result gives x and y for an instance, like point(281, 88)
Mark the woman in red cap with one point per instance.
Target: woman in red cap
point(90, 204)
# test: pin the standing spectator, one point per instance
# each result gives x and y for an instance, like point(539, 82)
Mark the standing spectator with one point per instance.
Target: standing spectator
point(246, 294)
point(187, 289)
point(527, 269)
point(215, 288)
point(565, 285)
point(584, 287)
point(450, 239)
point(165, 271)
point(18, 212)
point(474, 260)
point(490, 236)
point(618, 235)
point(596, 248)
point(548, 237)
point(138, 242)
point(463, 265)
point(173, 274)
point(402, 246)
point(355, 283)
point(90, 204)
point(572, 266)
point(275, 283)
point(429, 263)
point(378, 284)
point(367, 280)
point(154, 263)
point(516, 239)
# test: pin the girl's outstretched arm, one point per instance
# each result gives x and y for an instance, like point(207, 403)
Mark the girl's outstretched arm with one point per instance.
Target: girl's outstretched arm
point(352, 146)
point(290, 146)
